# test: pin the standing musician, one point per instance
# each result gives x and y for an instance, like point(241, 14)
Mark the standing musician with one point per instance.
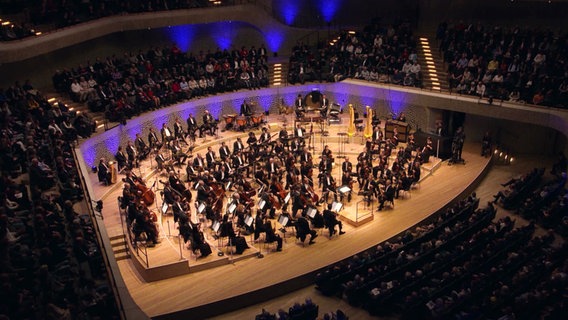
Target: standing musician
point(192, 127)
point(300, 107)
point(141, 147)
point(132, 155)
point(330, 221)
point(103, 172)
point(328, 186)
point(246, 110)
point(324, 106)
point(121, 159)
point(346, 166)
point(153, 140)
point(167, 135)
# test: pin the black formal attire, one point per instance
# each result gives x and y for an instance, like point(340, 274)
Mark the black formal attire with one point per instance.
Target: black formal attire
point(330, 220)
point(224, 152)
point(121, 159)
point(246, 110)
point(303, 229)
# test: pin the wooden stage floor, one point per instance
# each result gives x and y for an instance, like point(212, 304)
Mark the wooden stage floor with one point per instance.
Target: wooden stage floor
point(229, 286)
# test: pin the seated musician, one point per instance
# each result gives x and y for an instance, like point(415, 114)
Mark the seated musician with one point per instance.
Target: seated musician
point(178, 186)
point(330, 221)
point(238, 145)
point(300, 106)
point(177, 153)
point(246, 110)
point(103, 172)
point(401, 117)
point(167, 135)
point(161, 163)
point(192, 126)
point(303, 229)
point(346, 166)
point(224, 151)
point(346, 180)
point(153, 140)
point(198, 162)
point(209, 124)
point(210, 157)
point(144, 224)
point(168, 193)
point(141, 147)
point(377, 136)
point(283, 135)
point(252, 141)
point(178, 131)
point(327, 152)
point(387, 195)
point(121, 159)
point(271, 236)
point(328, 186)
point(238, 161)
point(264, 136)
point(299, 132)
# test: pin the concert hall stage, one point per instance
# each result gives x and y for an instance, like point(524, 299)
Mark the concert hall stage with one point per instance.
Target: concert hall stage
point(177, 284)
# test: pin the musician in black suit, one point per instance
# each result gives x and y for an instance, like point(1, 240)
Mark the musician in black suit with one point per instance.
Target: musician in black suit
point(208, 124)
point(330, 221)
point(224, 151)
point(346, 166)
point(103, 172)
point(178, 130)
point(264, 136)
point(271, 236)
point(210, 157)
point(324, 106)
point(120, 158)
point(246, 110)
point(300, 106)
point(132, 155)
point(303, 229)
point(167, 135)
point(192, 126)
point(153, 140)
point(388, 195)
point(238, 145)
point(141, 147)
point(198, 162)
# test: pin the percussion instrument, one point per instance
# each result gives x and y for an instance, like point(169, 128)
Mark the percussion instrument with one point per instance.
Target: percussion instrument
point(256, 119)
point(229, 118)
point(113, 168)
point(241, 122)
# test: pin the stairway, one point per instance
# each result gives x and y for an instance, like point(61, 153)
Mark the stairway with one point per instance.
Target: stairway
point(79, 107)
point(278, 72)
point(434, 74)
point(119, 247)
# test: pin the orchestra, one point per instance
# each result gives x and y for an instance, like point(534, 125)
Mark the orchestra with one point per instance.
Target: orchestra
point(243, 184)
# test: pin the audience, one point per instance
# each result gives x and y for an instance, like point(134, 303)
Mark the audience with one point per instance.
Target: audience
point(51, 265)
point(126, 86)
point(515, 64)
point(380, 53)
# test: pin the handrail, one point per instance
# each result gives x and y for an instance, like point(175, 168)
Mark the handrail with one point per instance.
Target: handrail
point(110, 274)
point(365, 215)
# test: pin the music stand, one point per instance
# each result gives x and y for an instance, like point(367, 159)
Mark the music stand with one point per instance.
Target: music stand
point(311, 212)
point(336, 206)
point(287, 197)
point(283, 220)
point(200, 208)
point(344, 191)
point(232, 208)
point(261, 204)
point(165, 207)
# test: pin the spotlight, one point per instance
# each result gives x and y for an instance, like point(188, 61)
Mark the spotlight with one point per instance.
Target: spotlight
point(511, 159)
point(500, 154)
point(495, 152)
